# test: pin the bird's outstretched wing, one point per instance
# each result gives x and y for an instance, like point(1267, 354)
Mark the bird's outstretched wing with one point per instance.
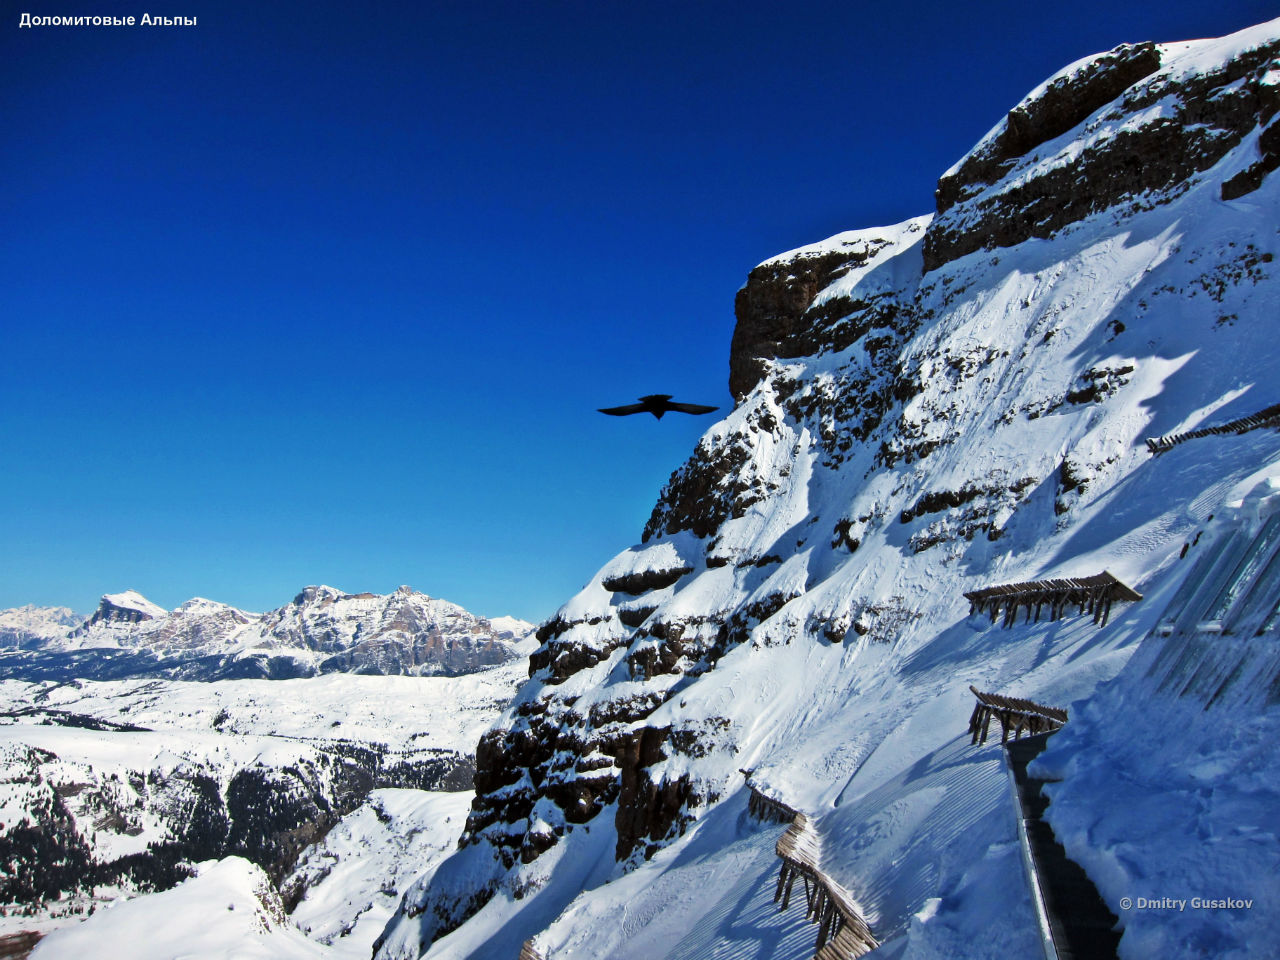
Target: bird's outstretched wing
point(624, 411)
point(691, 407)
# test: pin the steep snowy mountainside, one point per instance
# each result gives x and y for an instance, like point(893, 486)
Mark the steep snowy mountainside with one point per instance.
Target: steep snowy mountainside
point(353, 878)
point(32, 626)
point(322, 630)
point(1189, 815)
point(950, 403)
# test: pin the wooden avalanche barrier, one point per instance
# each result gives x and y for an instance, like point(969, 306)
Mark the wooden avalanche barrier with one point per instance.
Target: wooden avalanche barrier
point(842, 933)
point(1093, 595)
point(529, 952)
point(1270, 417)
point(768, 809)
point(1016, 716)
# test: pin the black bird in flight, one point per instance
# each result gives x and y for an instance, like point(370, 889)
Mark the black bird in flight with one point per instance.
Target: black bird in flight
point(657, 404)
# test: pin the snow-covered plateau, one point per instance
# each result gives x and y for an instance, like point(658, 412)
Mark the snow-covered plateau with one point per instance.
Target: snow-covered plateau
point(957, 402)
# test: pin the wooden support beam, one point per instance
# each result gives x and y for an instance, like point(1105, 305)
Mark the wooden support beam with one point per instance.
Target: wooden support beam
point(824, 924)
point(975, 721)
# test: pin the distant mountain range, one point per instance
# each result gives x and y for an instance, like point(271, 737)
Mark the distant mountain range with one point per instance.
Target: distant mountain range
point(322, 630)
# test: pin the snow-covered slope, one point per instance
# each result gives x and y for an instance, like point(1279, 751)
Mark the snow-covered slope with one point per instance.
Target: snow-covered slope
point(922, 410)
point(353, 878)
point(228, 909)
point(322, 630)
point(1182, 746)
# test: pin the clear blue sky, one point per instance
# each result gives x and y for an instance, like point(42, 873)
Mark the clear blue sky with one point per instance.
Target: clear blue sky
point(329, 292)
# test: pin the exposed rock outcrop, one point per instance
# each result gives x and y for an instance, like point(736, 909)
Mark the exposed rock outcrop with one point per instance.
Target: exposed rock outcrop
point(1063, 103)
point(122, 608)
point(1113, 132)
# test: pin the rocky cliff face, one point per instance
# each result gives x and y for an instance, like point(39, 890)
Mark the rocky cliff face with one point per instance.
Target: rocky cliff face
point(921, 409)
point(1118, 132)
point(322, 630)
point(117, 610)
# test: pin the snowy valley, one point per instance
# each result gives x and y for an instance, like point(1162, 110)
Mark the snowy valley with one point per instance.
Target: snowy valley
point(958, 402)
point(323, 788)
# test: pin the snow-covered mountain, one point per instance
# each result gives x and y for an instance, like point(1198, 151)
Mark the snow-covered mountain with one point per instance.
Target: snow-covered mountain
point(955, 402)
point(32, 626)
point(322, 630)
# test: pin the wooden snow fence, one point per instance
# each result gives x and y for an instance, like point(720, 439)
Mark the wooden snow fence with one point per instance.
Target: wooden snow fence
point(529, 952)
point(1093, 595)
point(842, 933)
point(1016, 716)
point(1270, 417)
point(768, 809)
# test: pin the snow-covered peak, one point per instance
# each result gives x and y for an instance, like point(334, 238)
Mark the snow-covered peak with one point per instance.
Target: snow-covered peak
point(131, 600)
point(1074, 74)
point(1116, 132)
point(200, 606)
point(512, 625)
point(1199, 57)
point(313, 594)
point(859, 246)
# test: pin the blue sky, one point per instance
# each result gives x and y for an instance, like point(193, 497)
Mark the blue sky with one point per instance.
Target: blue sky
point(329, 293)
